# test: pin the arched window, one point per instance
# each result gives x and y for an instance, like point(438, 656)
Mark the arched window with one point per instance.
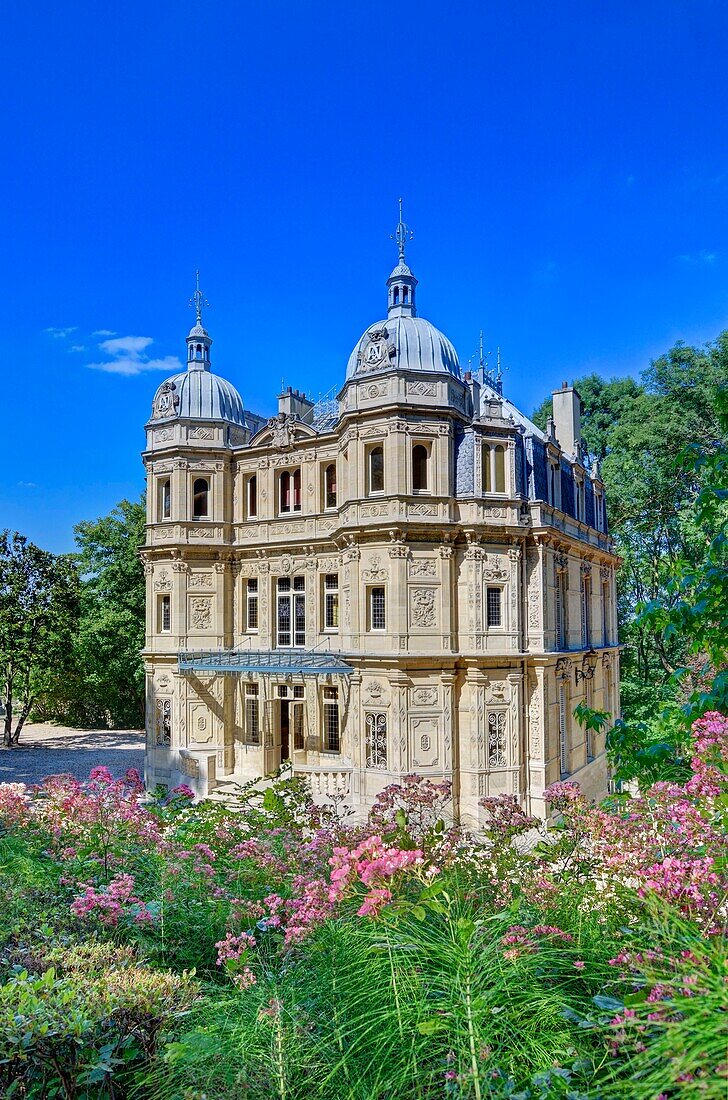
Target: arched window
point(253, 496)
point(405, 294)
point(296, 490)
point(419, 468)
point(494, 468)
point(330, 486)
point(396, 296)
point(285, 491)
point(165, 500)
point(201, 498)
point(199, 351)
point(486, 469)
point(376, 470)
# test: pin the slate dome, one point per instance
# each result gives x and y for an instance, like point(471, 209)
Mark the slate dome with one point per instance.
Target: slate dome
point(409, 343)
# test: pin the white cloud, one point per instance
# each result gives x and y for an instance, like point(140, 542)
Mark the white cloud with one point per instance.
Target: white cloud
point(27, 485)
point(77, 347)
point(61, 333)
point(103, 332)
point(126, 355)
point(130, 345)
point(705, 256)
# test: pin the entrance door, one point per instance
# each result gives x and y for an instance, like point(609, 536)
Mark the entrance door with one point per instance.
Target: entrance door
point(285, 730)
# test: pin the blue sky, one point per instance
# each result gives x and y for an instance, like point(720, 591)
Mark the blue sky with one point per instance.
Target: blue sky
point(564, 168)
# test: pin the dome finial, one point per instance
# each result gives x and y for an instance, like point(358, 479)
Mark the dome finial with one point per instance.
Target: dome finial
point(402, 234)
point(198, 300)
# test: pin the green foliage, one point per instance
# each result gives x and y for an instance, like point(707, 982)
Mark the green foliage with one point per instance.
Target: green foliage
point(39, 609)
point(108, 686)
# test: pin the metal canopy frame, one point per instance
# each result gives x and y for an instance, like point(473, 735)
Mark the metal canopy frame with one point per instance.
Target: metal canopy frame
point(263, 662)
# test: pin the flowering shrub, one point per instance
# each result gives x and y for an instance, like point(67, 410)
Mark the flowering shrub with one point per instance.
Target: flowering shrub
point(524, 961)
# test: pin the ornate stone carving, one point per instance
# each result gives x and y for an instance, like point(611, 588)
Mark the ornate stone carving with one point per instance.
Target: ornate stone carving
point(586, 568)
point(375, 572)
point(423, 567)
point(376, 352)
point(423, 608)
point(376, 692)
point(283, 430)
point(561, 561)
point(422, 389)
point(163, 582)
point(496, 691)
point(202, 433)
point(201, 613)
point(563, 668)
point(494, 571)
point(421, 509)
point(605, 572)
point(424, 696)
point(167, 401)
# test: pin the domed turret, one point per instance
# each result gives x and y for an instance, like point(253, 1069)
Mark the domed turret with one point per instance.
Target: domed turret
point(404, 341)
point(197, 393)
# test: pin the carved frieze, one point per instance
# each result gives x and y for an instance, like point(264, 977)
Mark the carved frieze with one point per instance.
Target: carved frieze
point(423, 607)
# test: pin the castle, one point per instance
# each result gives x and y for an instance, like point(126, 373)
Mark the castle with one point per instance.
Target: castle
point(411, 577)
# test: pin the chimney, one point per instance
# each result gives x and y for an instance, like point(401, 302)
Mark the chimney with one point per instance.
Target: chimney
point(567, 418)
point(294, 403)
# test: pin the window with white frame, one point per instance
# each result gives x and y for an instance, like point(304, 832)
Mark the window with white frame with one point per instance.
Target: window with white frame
point(200, 498)
point(252, 713)
point(289, 491)
point(493, 606)
point(420, 463)
point(331, 601)
point(291, 611)
point(251, 605)
point(585, 610)
point(165, 499)
point(376, 740)
point(494, 468)
point(375, 470)
point(330, 485)
point(563, 731)
point(606, 639)
point(496, 739)
point(332, 731)
point(165, 614)
point(377, 608)
point(252, 496)
point(560, 609)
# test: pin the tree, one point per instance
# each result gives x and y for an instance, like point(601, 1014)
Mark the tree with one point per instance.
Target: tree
point(110, 675)
point(39, 609)
point(638, 431)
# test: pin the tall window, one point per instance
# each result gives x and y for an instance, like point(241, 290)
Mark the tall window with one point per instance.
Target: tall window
point(376, 470)
point(560, 595)
point(419, 468)
point(605, 613)
point(201, 498)
point(251, 605)
point(291, 620)
point(332, 733)
point(377, 609)
point(330, 486)
point(563, 732)
point(252, 496)
point(589, 700)
point(331, 601)
point(165, 614)
point(252, 714)
point(298, 714)
point(290, 491)
point(496, 739)
point(585, 611)
point(376, 735)
point(493, 606)
point(494, 468)
point(165, 499)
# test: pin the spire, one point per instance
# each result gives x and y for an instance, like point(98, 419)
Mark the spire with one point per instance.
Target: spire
point(198, 300)
point(198, 340)
point(401, 235)
point(401, 283)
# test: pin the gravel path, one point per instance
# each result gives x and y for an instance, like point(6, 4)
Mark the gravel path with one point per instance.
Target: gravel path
point(48, 750)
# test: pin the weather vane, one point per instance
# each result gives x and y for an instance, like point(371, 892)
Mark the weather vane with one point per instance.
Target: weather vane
point(198, 300)
point(402, 235)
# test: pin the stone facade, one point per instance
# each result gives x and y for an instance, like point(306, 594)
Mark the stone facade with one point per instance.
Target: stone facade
point(413, 578)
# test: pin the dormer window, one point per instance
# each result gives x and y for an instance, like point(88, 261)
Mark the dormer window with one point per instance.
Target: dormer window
point(494, 468)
